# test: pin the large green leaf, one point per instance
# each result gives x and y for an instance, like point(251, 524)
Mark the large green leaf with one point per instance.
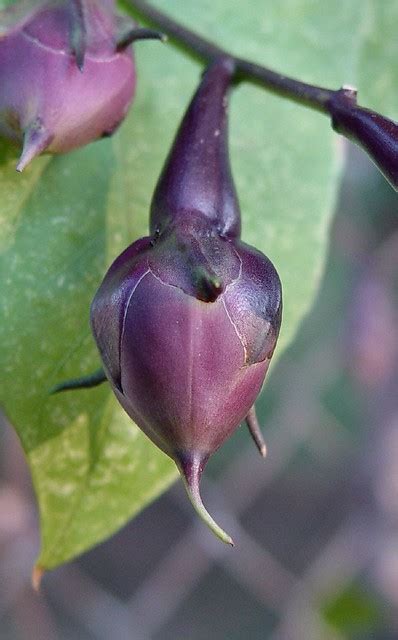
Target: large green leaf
point(65, 219)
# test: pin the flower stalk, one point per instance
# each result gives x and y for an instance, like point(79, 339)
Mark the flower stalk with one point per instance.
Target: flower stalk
point(373, 132)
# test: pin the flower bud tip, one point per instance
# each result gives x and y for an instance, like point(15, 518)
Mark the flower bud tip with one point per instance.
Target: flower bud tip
point(191, 469)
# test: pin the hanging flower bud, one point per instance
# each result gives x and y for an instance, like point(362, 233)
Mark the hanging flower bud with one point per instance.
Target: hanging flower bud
point(186, 319)
point(67, 74)
point(376, 134)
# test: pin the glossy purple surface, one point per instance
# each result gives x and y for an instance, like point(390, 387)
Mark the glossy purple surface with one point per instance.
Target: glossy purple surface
point(186, 365)
point(192, 375)
point(187, 371)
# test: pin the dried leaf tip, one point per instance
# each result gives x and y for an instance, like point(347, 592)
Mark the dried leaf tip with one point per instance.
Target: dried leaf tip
point(37, 575)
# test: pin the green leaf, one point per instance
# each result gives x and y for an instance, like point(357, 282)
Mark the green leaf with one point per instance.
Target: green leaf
point(65, 219)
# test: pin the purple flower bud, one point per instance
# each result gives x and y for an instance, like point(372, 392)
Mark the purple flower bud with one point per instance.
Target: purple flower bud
point(186, 320)
point(65, 81)
point(376, 134)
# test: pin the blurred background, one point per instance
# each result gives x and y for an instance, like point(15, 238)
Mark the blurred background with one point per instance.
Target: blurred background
point(315, 524)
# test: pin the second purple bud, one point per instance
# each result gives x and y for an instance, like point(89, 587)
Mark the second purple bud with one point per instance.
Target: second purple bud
point(67, 73)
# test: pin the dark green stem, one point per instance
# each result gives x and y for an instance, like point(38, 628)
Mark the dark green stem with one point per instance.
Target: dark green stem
point(376, 134)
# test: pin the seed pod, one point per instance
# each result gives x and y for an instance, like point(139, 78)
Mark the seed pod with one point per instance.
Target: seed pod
point(186, 319)
point(67, 74)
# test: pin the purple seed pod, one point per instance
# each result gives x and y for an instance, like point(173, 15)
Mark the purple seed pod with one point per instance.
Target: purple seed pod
point(376, 134)
point(67, 74)
point(186, 319)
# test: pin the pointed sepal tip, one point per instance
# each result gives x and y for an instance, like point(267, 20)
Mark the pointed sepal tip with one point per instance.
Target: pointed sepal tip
point(36, 140)
point(255, 431)
point(191, 471)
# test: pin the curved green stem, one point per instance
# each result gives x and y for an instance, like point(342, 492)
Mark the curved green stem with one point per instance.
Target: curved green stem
point(191, 471)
